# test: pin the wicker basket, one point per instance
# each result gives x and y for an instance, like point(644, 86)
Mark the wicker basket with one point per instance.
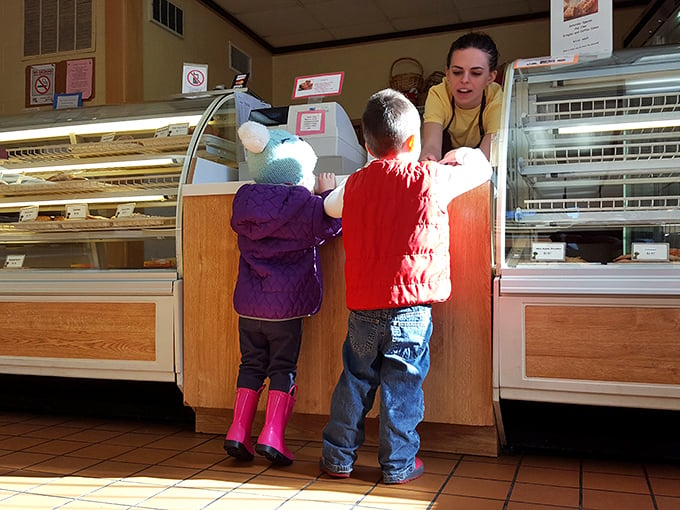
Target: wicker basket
point(411, 81)
point(435, 78)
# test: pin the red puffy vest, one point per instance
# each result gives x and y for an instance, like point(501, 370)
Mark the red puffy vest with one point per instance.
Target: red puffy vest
point(396, 237)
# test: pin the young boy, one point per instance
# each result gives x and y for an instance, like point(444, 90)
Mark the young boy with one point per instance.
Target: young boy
point(396, 239)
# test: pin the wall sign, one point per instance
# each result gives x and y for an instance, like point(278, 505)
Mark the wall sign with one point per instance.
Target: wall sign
point(41, 88)
point(194, 78)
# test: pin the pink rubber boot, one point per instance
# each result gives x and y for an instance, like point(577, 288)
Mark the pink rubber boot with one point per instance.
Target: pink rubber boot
point(271, 441)
point(238, 443)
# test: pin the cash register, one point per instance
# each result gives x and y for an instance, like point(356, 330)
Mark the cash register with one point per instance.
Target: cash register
point(325, 126)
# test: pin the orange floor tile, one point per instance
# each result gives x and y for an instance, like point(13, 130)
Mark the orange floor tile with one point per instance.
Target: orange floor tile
point(71, 463)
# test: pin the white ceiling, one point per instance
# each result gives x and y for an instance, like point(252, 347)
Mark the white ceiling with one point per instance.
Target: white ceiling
point(288, 25)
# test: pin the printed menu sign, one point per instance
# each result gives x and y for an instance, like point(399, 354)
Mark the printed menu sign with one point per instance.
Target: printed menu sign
point(581, 27)
point(318, 86)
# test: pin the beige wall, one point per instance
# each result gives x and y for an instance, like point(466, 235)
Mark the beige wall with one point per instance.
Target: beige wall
point(367, 66)
point(13, 64)
point(206, 41)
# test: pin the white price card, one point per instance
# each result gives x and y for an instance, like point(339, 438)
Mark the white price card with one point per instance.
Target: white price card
point(125, 210)
point(14, 261)
point(650, 251)
point(548, 252)
point(109, 137)
point(29, 213)
point(179, 129)
point(162, 132)
point(76, 212)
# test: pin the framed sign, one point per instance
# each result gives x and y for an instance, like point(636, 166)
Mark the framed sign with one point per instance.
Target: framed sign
point(318, 85)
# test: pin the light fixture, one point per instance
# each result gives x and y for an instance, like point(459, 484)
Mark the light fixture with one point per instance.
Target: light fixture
point(138, 163)
point(618, 126)
point(103, 200)
point(91, 128)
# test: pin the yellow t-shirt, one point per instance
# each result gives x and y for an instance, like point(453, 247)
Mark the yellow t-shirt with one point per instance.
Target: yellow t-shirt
point(464, 129)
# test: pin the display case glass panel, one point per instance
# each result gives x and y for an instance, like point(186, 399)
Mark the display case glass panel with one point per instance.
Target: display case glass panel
point(590, 170)
point(97, 187)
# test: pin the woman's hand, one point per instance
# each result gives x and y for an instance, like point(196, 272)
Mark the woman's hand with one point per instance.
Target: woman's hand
point(450, 158)
point(325, 181)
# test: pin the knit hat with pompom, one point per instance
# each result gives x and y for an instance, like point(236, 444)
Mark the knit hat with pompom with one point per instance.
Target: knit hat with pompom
point(275, 156)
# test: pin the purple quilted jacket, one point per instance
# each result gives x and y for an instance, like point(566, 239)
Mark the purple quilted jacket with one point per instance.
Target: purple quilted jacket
point(279, 231)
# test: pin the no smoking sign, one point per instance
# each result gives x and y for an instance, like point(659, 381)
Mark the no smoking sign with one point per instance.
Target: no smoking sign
point(42, 84)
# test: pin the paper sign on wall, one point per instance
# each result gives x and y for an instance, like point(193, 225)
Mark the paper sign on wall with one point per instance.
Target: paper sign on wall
point(581, 27)
point(194, 78)
point(42, 84)
point(79, 75)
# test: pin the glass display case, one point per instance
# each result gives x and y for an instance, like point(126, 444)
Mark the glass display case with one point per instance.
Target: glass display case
point(587, 286)
point(90, 232)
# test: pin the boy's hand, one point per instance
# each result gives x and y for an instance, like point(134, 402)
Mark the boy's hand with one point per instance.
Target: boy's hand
point(325, 181)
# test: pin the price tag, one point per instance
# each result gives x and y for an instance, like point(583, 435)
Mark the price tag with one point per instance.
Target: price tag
point(76, 212)
point(548, 252)
point(179, 129)
point(110, 137)
point(29, 213)
point(162, 132)
point(125, 210)
point(650, 251)
point(14, 261)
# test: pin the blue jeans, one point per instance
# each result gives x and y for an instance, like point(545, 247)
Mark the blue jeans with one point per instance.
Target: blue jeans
point(387, 348)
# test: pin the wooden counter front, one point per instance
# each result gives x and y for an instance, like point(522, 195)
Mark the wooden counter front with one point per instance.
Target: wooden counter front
point(458, 390)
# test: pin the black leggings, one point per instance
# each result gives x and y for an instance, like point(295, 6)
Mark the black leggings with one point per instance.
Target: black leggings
point(269, 349)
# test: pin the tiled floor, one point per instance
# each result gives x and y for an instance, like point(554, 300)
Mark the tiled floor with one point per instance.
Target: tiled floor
point(50, 462)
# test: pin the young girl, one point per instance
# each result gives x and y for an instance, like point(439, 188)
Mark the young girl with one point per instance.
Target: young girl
point(464, 109)
point(280, 224)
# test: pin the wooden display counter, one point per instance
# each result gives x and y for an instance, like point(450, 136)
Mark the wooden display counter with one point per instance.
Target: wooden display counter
point(458, 390)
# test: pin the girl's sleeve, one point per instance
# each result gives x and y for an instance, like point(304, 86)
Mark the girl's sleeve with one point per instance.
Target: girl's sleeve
point(325, 227)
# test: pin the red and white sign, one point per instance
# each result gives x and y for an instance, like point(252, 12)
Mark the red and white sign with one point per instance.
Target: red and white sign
point(195, 78)
point(42, 84)
point(319, 85)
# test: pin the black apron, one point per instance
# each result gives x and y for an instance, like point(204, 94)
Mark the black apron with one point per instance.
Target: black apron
point(446, 137)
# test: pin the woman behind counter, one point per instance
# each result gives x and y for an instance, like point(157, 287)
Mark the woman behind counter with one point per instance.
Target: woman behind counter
point(464, 110)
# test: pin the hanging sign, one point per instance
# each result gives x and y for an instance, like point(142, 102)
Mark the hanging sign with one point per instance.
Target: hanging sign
point(194, 78)
point(581, 27)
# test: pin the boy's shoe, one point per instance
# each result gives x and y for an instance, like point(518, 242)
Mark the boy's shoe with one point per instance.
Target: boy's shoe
point(418, 469)
point(332, 474)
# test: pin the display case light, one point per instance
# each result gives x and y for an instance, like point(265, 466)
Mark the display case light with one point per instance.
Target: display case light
point(98, 200)
point(618, 126)
point(138, 163)
point(92, 128)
